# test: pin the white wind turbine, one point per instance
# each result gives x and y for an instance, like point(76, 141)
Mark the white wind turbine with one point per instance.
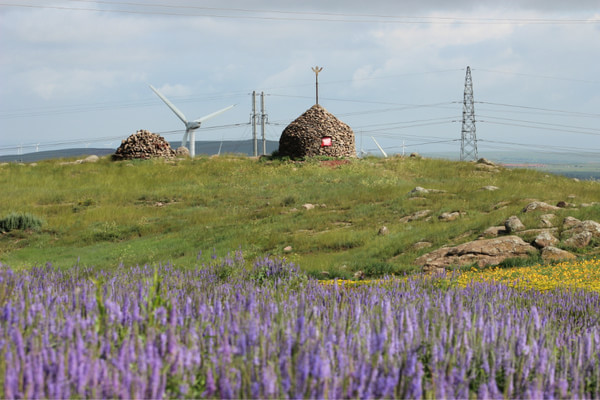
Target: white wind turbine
point(190, 126)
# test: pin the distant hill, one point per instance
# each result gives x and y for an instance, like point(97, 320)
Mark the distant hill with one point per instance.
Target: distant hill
point(202, 147)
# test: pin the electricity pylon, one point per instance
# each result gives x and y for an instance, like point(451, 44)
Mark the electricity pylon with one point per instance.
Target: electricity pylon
point(468, 137)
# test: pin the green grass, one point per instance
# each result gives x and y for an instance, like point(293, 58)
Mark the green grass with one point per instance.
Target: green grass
point(129, 213)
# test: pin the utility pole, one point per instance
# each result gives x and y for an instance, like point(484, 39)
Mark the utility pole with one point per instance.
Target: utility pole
point(468, 137)
point(263, 121)
point(254, 116)
point(316, 70)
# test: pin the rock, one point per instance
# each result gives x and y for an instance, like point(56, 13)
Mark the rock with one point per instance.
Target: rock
point(539, 206)
point(494, 231)
point(570, 222)
point(383, 231)
point(490, 188)
point(579, 240)
point(90, 159)
point(488, 168)
point(325, 274)
point(485, 161)
point(513, 224)
point(182, 152)
point(415, 216)
point(143, 145)
point(305, 136)
point(359, 275)
point(482, 252)
point(308, 206)
point(585, 226)
point(554, 254)
point(450, 216)
point(545, 239)
point(589, 204)
point(421, 245)
point(287, 249)
point(501, 205)
point(421, 190)
point(546, 220)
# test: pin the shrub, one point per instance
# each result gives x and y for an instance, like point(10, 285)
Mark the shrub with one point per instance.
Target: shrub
point(20, 221)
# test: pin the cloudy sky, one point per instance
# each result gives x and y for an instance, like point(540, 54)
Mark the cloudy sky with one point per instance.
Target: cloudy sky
point(76, 73)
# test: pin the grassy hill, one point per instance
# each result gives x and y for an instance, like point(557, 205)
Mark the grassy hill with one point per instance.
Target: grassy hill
point(186, 211)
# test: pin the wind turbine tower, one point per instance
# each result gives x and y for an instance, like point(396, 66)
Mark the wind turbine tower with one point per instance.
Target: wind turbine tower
point(468, 137)
point(190, 126)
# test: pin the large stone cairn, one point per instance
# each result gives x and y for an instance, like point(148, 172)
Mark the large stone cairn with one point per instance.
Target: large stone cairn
point(302, 137)
point(144, 145)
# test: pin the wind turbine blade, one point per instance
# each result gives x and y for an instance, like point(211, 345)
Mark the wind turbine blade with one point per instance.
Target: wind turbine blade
point(380, 148)
point(209, 116)
point(171, 105)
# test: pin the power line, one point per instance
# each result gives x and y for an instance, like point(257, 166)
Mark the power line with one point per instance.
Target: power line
point(315, 17)
point(553, 127)
point(577, 113)
point(558, 78)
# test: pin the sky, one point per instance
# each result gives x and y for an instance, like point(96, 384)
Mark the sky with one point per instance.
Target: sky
point(76, 73)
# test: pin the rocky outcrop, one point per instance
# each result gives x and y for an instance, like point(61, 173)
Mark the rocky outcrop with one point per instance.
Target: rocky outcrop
point(420, 190)
point(539, 206)
point(304, 137)
point(579, 240)
point(555, 254)
point(415, 216)
point(513, 224)
point(450, 216)
point(143, 145)
point(545, 239)
point(592, 227)
point(480, 252)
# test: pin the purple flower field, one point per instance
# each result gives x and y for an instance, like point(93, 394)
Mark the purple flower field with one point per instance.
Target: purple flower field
point(233, 330)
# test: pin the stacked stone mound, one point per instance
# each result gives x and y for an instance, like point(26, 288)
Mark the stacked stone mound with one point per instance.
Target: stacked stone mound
point(144, 145)
point(302, 137)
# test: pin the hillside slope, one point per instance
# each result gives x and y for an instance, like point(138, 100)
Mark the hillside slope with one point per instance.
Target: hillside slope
point(184, 211)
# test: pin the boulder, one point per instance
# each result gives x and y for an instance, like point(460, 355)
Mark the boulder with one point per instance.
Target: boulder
point(182, 152)
point(539, 206)
point(383, 231)
point(579, 240)
point(494, 231)
point(545, 239)
point(481, 252)
point(450, 216)
point(513, 224)
point(554, 254)
point(421, 245)
point(585, 226)
point(420, 190)
point(415, 216)
point(485, 161)
point(570, 222)
point(546, 220)
point(308, 206)
point(490, 188)
point(91, 159)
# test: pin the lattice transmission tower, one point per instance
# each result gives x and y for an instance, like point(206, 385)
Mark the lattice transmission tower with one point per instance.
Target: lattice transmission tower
point(468, 138)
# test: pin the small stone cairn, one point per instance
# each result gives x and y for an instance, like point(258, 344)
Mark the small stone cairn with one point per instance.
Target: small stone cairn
point(143, 145)
point(302, 137)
